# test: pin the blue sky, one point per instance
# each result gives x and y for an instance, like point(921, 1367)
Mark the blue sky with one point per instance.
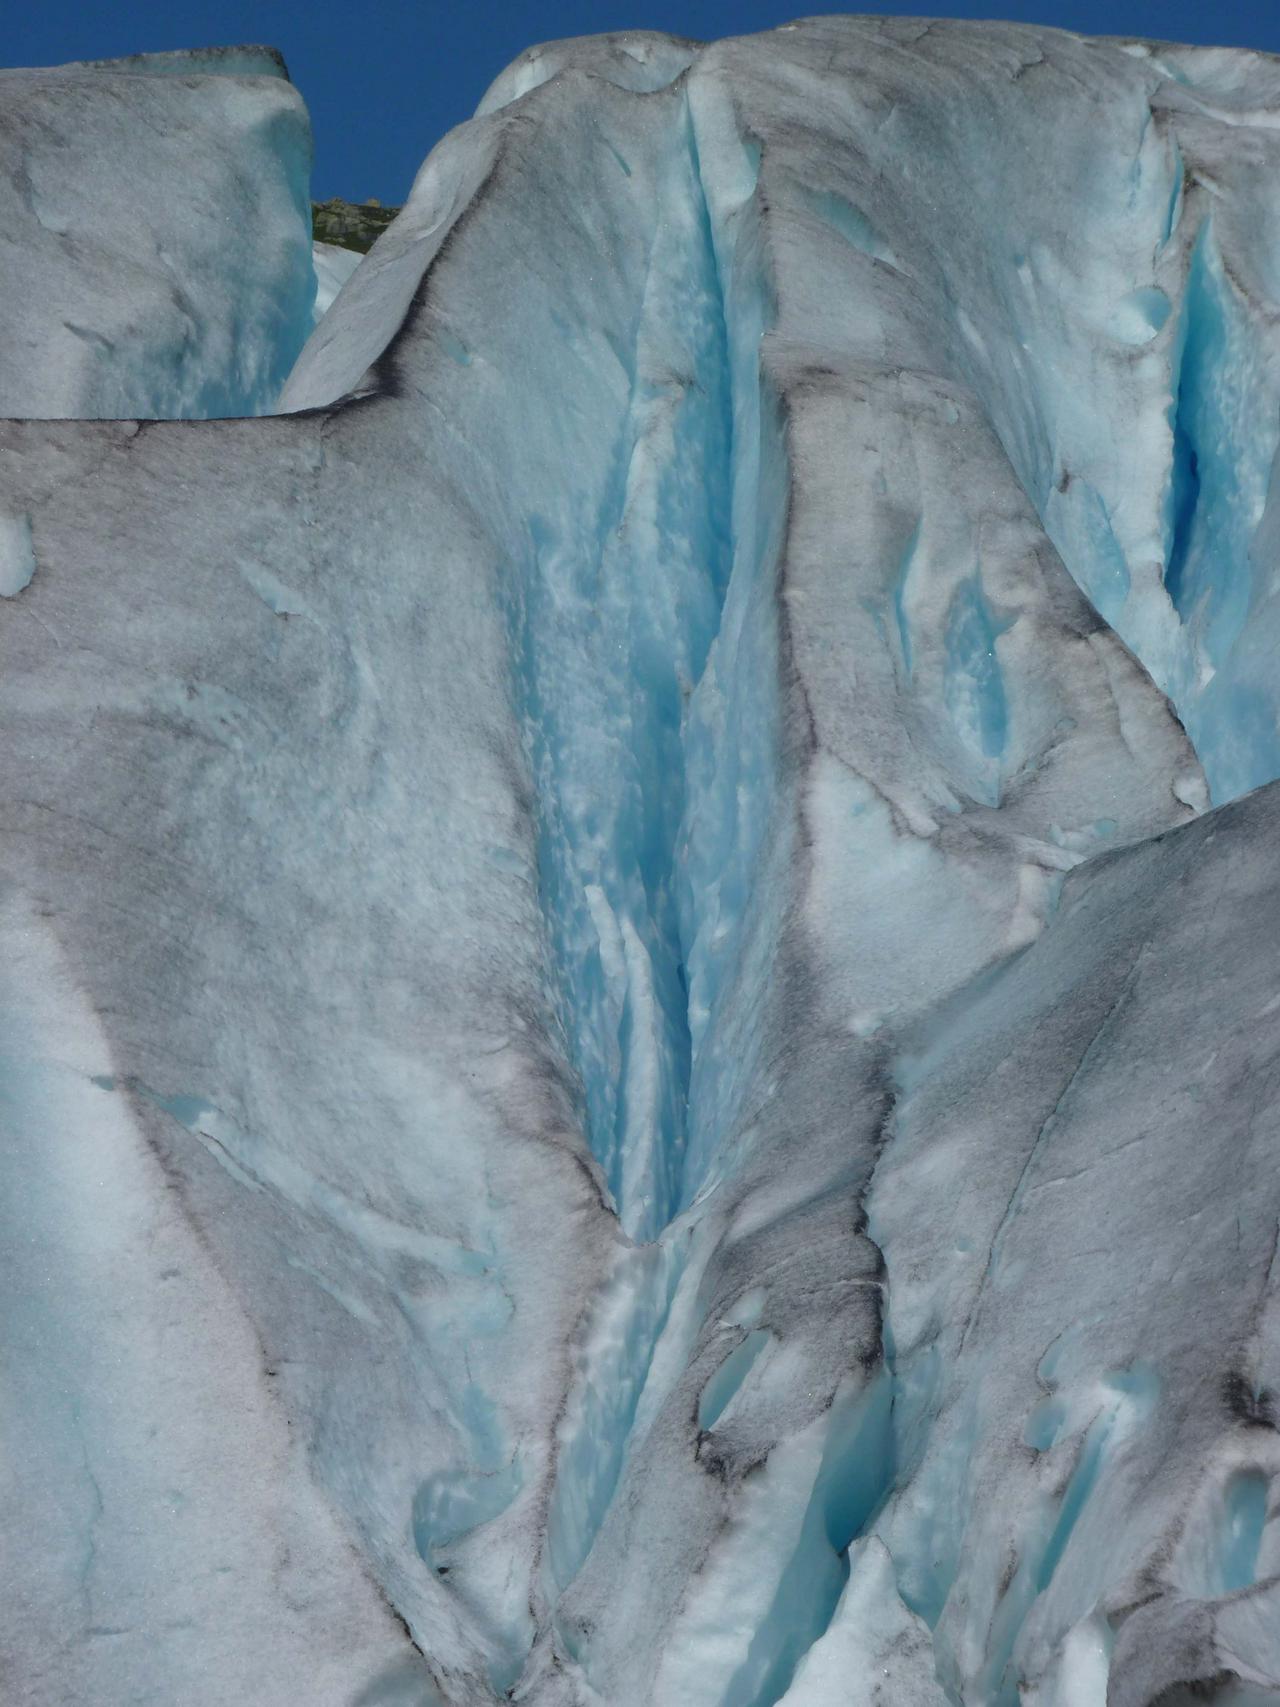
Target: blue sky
point(384, 79)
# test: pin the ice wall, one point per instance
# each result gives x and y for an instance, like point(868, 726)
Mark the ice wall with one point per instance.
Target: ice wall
point(1034, 1129)
point(605, 884)
point(155, 253)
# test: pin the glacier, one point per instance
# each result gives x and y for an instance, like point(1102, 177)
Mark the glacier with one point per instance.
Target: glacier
point(640, 1029)
point(153, 241)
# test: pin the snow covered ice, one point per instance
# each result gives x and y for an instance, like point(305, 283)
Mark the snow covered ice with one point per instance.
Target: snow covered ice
point(639, 980)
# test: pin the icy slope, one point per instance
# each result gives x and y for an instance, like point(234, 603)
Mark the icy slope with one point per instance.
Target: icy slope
point(1103, 1115)
point(154, 235)
point(549, 981)
point(334, 266)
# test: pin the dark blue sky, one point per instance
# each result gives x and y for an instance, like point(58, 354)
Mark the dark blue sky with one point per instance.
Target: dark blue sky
point(385, 78)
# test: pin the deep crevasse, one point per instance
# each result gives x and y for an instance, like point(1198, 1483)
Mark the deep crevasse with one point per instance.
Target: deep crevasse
point(647, 920)
point(616, 626)
point(620, 607)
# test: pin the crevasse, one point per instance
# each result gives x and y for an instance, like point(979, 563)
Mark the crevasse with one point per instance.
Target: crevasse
point(618, 618)
point(652, 805)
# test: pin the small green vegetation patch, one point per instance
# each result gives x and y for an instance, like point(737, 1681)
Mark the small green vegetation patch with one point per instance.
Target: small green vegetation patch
point(351, 225)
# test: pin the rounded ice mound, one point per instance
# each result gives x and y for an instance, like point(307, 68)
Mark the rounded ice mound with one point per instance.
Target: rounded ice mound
point(641, 61)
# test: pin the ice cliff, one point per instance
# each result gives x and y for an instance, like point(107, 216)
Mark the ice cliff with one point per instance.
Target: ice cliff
point(154, 256)
point(638, 985)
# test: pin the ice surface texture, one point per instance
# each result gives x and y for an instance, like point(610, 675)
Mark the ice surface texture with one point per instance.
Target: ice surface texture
point(154, 257)
point(635, 1070)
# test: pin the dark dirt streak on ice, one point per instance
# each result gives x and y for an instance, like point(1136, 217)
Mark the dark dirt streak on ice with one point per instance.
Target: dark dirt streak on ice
point(1015, 1197)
